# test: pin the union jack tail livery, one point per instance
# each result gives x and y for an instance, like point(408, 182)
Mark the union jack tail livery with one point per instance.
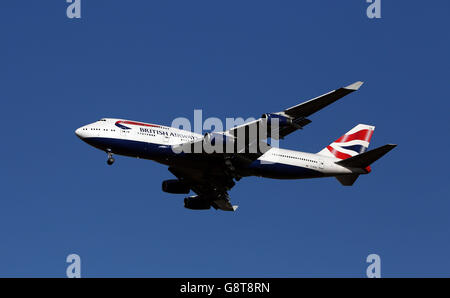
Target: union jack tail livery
point(354, 142)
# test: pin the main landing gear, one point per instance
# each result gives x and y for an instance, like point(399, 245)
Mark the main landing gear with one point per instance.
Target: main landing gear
point(231, 170)
point(111, 159)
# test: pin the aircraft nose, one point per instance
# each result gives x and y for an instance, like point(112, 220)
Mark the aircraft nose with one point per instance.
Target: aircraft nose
point(79, 133)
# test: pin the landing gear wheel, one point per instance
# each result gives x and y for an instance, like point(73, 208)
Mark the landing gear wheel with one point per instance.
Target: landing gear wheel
point(111, 159)
point(229, 165)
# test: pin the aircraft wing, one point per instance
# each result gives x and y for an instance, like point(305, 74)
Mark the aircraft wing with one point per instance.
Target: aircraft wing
point(311, 106)
point(212, 186)
point(295, 117)
point(249, 138)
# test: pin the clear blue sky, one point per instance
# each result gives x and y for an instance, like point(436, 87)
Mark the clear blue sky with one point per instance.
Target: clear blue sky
point(153, 61)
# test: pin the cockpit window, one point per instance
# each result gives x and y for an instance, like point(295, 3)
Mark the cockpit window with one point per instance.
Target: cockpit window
point(102, 119)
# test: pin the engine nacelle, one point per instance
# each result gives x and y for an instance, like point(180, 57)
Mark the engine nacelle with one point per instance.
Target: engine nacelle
point(175, 186)
point(197, 203)
point(282, 120)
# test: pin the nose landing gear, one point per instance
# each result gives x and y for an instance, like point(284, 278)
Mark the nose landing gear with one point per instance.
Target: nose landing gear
point(111, 159)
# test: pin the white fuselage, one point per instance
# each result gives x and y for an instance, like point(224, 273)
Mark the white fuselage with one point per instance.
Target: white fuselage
point(154, 142)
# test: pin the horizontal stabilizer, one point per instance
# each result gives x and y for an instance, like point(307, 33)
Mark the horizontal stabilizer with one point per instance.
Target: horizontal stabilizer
point(367, 158)
point(347, 180)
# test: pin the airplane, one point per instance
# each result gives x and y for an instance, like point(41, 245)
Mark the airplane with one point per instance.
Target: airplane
point(212, 174)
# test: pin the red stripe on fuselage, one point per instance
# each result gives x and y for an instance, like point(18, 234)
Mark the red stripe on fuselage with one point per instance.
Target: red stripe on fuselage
point(136, 123)
point(363, 135)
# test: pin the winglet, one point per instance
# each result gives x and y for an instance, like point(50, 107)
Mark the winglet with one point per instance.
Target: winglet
point(355, 86)
point(235, 207)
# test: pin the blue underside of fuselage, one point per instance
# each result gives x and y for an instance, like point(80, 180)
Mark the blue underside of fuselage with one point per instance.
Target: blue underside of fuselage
point(131, 148)
point(282, 171)
point(164, 154)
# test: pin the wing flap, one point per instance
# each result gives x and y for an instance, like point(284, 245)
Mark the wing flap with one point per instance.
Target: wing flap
point(223, 204)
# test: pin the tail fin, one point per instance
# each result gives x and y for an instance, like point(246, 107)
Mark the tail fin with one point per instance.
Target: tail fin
point(354, 142)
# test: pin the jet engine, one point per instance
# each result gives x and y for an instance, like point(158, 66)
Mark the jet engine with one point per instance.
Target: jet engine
point(197, 203)
point(175, 186)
